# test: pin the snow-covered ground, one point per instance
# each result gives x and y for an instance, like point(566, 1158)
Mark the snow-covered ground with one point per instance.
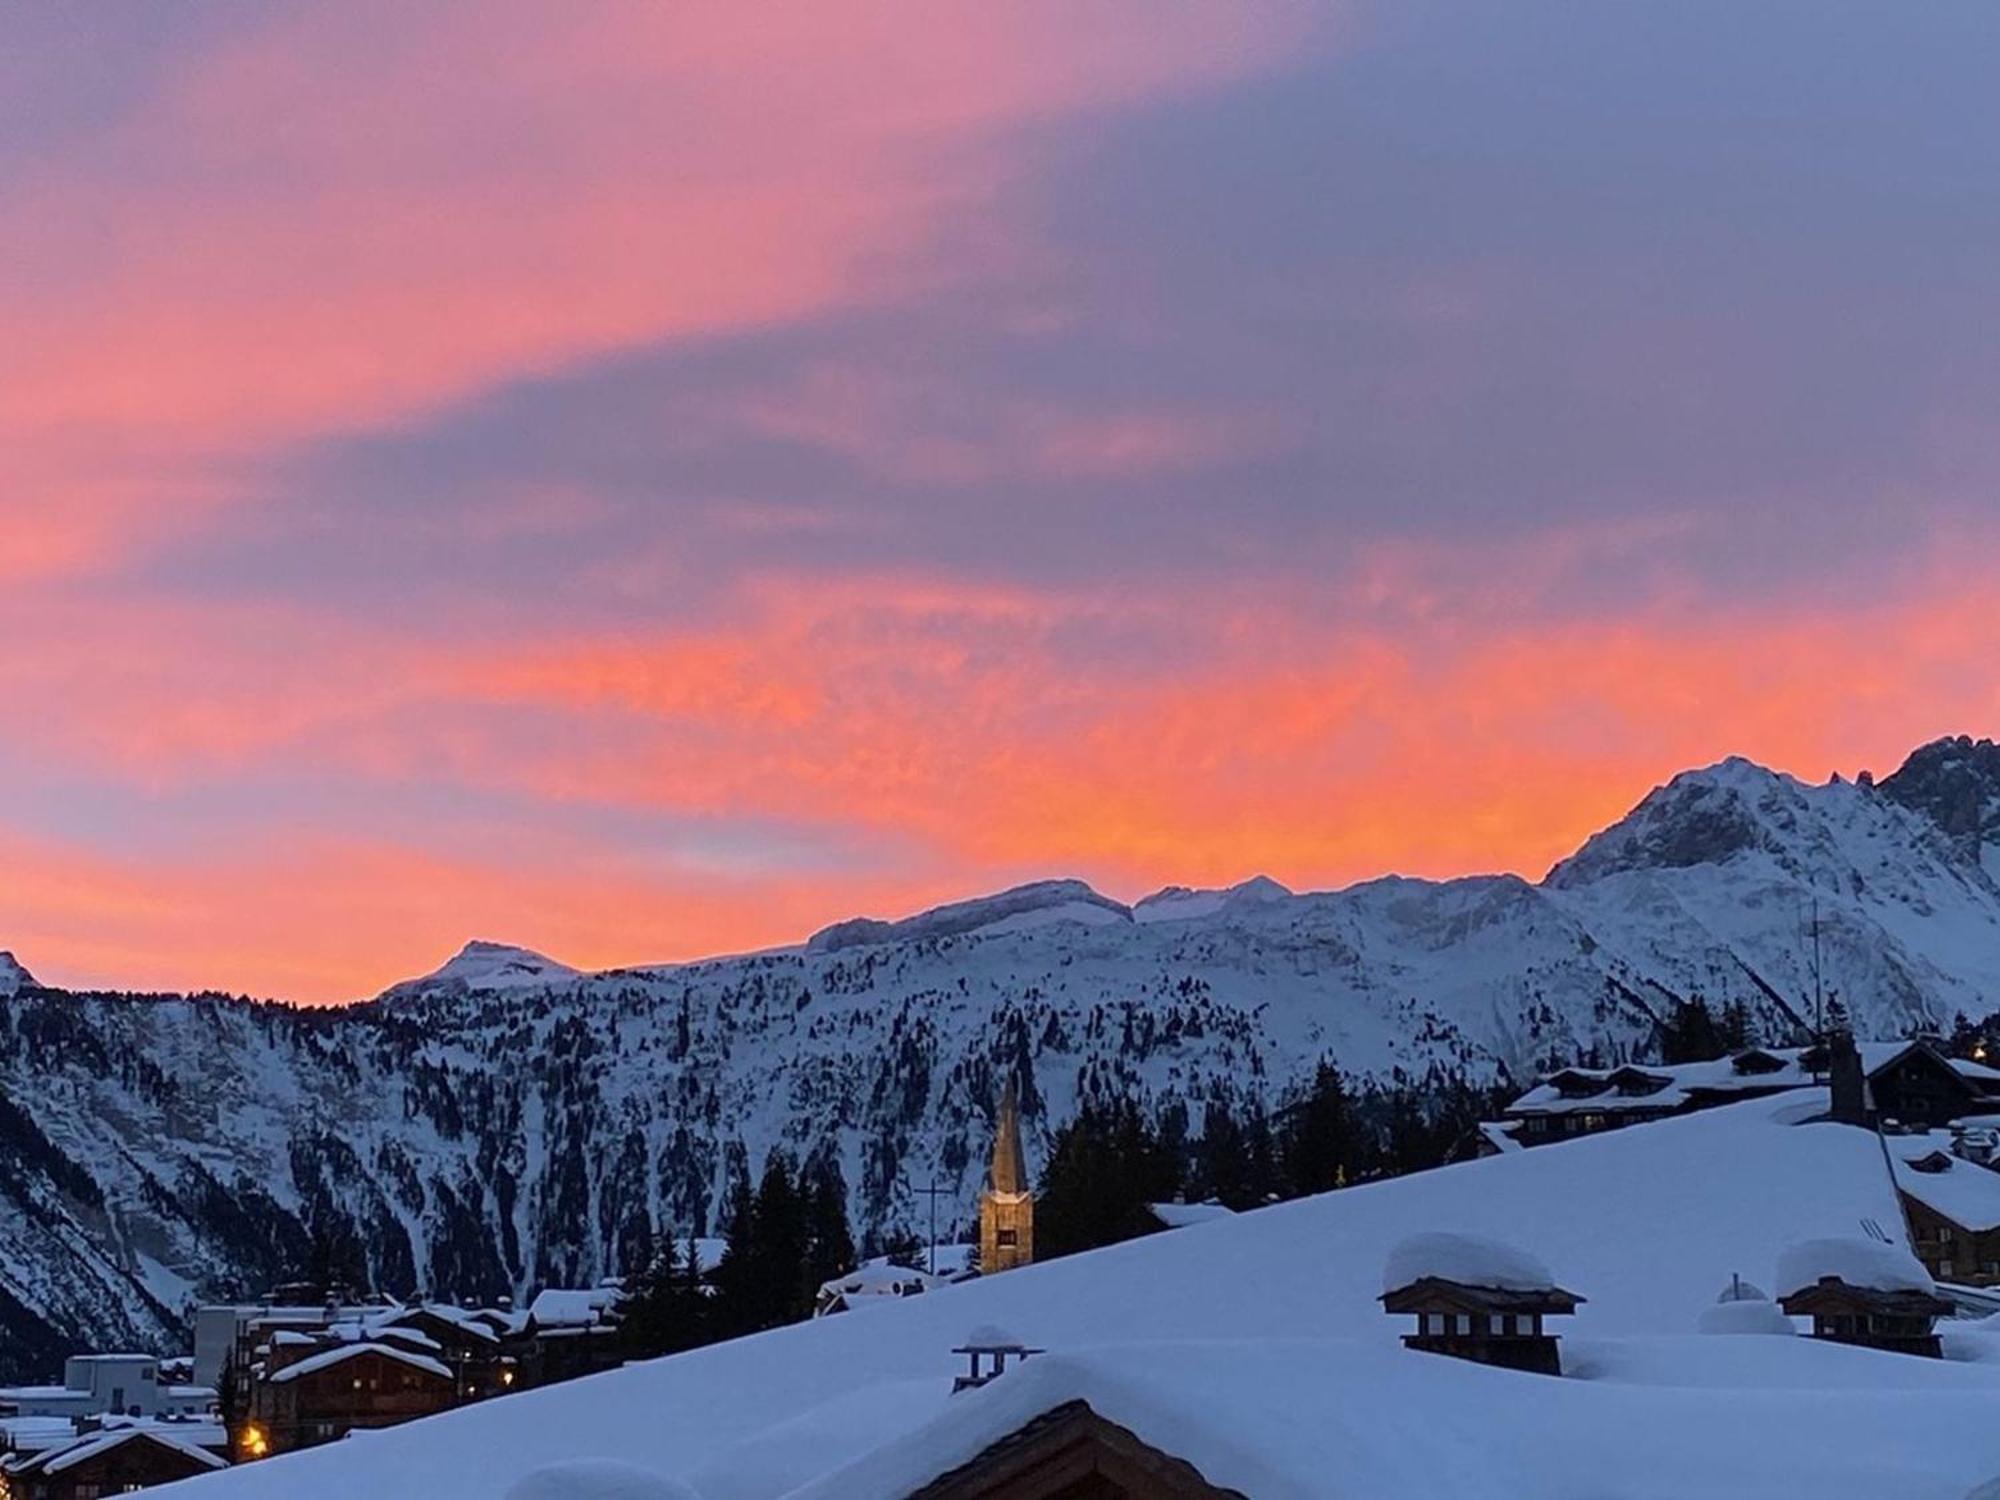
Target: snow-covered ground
point(1255, 1346)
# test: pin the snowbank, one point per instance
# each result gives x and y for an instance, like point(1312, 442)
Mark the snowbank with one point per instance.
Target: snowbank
point(1747, 1316)
point(1860, 1263)
point(1468, 1259)
point(597, 1479)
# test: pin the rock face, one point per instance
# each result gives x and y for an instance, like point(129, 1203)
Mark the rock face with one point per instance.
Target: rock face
point(508, 1123)
point(1956, 783)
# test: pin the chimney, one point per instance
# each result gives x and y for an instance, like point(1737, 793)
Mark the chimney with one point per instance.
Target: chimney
point(1850, 1086)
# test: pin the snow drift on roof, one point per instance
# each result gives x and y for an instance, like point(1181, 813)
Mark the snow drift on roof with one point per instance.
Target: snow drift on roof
point(1750, 1315)
point(597, 1479)
point(1468, 1259)
point(56, 1460)
point(1965, 1192)
point(315, 1362)
point(1858, 1262)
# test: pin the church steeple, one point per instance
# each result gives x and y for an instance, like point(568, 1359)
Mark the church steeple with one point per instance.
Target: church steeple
point(1007, 1207)
point(1005, 1175)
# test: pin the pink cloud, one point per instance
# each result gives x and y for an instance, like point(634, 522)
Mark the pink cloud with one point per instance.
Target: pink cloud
point(353, 213)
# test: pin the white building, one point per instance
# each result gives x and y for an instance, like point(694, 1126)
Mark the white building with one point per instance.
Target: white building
point(97, 1385)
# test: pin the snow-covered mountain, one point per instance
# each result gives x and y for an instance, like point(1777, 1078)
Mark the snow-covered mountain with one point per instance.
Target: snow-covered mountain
point(508, 1122)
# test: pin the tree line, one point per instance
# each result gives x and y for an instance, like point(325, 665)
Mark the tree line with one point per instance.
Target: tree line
point(1111, 1162)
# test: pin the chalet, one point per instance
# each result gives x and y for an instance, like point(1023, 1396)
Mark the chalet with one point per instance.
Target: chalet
point(114, 1461)
point(229, 1338)
point(1909, 1082)
point(576, 1331)
point(1071, 1451)
point(1952, 1205)
point(329, 1393)
point(873, 1283)
point(484, 1361)
point(1476, 1299)
point(1862, 1292)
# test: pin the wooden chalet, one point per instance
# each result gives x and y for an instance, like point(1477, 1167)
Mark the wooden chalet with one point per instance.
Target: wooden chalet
point(334, 1391)
point(1072, 1453)
point(1952, 1206)
point(1916, 1084)
point(1489, 1325)
point(482, 1360)
point(114, 1461)
point(575, 1332)
point(1911, 1083)
point(1901, 1320)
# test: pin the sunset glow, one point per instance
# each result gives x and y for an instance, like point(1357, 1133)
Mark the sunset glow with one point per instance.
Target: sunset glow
point(643, 482)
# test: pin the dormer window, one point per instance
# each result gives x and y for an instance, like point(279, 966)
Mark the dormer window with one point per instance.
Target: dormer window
point(1573, 1084)
point(1636, 1083)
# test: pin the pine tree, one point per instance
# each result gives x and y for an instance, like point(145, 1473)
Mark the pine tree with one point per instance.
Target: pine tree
point(1738, 1031)
point(1689, 1034)
point(1318, 1152)
point(829, 1240)
point(738, 1274)
point(1104, 1169)
point(664, 1308)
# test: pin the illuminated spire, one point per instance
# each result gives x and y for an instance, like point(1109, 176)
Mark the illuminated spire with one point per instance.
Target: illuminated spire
point(1006, 1174)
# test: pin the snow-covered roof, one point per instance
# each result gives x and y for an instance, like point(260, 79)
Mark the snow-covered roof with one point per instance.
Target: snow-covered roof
point(1499, 1135)
point(1468, 1260)
point(1305, 1419)
point(1184, 1215)
point(597, 1479)
point(1965, 1192)
point(1857, 1262)
point(1750, 1315)
point(315, 1362)
point(574, 1307)
point(1657, 1087)
point(93, 1445)
point(1647, 1223)
point(29, 1434)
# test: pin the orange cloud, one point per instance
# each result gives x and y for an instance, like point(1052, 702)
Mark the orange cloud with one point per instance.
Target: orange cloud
point(948, 736)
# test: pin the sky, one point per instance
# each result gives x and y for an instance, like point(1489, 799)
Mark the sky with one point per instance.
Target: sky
point(646, 481)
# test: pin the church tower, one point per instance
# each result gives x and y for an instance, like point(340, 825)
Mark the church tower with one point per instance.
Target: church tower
point(1006, 1208)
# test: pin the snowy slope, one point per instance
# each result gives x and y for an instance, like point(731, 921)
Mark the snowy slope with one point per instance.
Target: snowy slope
point(1648, 1224)
point(507, 1123)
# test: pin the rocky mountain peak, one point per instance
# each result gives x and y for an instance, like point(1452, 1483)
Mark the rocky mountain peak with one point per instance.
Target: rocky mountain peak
point(1703, 817)
point(1956, 783)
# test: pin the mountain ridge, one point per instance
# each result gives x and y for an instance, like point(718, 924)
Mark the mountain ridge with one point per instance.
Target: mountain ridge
point(508, 1122)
